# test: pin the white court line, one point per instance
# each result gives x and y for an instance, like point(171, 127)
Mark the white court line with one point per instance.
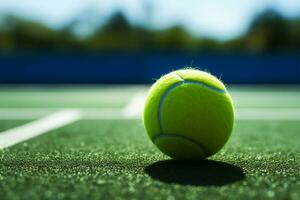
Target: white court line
point(59, 119)
point(25, 113)
point(37, 113)
point(136, 113)
point(124, 114)
point(267, 114)
point(38, 127)
point(247, 114)
point(103, 114)
point(133, 110)
point(135, 107)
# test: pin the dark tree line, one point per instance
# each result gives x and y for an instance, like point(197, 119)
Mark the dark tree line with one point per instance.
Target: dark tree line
point(268, 31)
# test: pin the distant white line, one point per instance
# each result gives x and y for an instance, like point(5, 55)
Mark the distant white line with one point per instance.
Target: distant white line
point(134, 108)
point(268, 114)
point(37, 113)
point(30, 130)
point(25, 113)
point(102, 114)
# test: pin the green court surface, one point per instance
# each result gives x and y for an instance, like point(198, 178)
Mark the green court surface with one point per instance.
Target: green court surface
point(95, 157)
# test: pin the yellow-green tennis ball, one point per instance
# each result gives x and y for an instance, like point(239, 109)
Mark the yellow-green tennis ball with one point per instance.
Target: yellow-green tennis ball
point(188, 114)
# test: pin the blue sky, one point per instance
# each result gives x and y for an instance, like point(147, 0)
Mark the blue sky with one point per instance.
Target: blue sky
point(221, 19)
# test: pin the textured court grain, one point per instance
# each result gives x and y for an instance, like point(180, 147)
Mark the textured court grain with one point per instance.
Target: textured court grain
point(114, 159)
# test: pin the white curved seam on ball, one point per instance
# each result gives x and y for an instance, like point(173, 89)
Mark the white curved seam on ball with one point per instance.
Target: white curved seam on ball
point(182, 82)
point(181, 78)
point(162, 135)
point(215, 89)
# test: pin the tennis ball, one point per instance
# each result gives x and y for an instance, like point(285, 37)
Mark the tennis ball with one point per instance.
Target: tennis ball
point(188, 114)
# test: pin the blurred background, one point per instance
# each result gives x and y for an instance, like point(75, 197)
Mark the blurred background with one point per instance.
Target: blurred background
point(136, 41)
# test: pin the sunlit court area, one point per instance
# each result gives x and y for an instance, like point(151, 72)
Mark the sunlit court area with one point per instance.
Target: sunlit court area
point(148, 99)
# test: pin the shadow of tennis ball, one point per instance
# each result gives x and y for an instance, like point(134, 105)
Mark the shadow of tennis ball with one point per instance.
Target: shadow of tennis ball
point(200, 173)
